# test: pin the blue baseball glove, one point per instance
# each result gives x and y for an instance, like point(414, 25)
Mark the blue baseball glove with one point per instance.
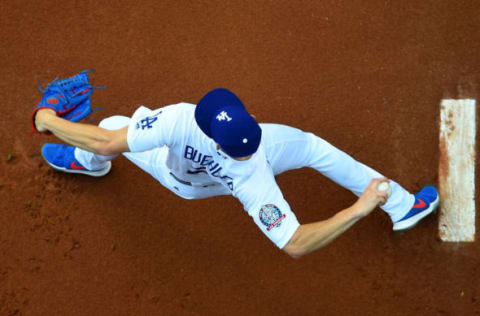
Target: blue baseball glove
point(69, 98)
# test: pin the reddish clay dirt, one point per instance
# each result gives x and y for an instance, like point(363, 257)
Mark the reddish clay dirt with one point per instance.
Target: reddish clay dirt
point(368, 76)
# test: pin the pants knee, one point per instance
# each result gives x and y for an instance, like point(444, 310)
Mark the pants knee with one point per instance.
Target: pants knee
point(114, 122)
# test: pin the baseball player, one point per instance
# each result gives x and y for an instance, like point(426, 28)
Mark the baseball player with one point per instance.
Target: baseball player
point(217, 148)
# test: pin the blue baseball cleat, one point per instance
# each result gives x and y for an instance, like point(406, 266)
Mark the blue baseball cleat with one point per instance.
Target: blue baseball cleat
point(61, 158)
point(426, 201)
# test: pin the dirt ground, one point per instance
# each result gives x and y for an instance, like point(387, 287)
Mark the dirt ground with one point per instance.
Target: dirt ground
point(368, 76)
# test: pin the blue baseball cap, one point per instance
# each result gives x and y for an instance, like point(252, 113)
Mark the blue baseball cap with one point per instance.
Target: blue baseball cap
point(222, 116)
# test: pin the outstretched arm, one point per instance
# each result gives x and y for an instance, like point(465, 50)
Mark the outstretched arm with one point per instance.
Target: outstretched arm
point(310, 237)
point(88, 137)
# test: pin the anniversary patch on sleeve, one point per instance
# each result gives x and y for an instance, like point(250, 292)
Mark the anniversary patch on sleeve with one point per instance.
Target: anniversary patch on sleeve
point(271, 216)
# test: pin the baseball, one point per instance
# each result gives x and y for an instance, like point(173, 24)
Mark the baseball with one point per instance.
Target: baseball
point(385, 187)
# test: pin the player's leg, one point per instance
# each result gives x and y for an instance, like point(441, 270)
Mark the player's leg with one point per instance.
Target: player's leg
point(75, 160)
point(290, 148)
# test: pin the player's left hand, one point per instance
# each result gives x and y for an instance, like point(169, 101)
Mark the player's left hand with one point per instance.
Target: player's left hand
point(69, 98)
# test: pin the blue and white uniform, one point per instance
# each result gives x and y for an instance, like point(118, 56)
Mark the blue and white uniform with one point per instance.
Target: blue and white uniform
point(168, 144)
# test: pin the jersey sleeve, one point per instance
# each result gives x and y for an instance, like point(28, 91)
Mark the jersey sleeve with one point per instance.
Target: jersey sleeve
point(268, 208)
point(149, 129)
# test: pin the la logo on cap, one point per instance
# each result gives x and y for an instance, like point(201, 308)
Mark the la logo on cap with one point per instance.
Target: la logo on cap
point(223, 116)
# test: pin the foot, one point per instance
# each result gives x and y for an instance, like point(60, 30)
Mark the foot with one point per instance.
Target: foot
point(62, 158)
point(426, 202)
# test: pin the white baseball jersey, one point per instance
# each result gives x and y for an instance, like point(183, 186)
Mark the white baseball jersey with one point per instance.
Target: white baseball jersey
point(193, 157)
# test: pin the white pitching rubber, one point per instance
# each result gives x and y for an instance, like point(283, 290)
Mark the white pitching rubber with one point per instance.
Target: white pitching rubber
point(457, 170)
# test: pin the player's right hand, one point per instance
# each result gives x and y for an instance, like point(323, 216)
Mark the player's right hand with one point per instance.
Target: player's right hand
point(371, 198)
